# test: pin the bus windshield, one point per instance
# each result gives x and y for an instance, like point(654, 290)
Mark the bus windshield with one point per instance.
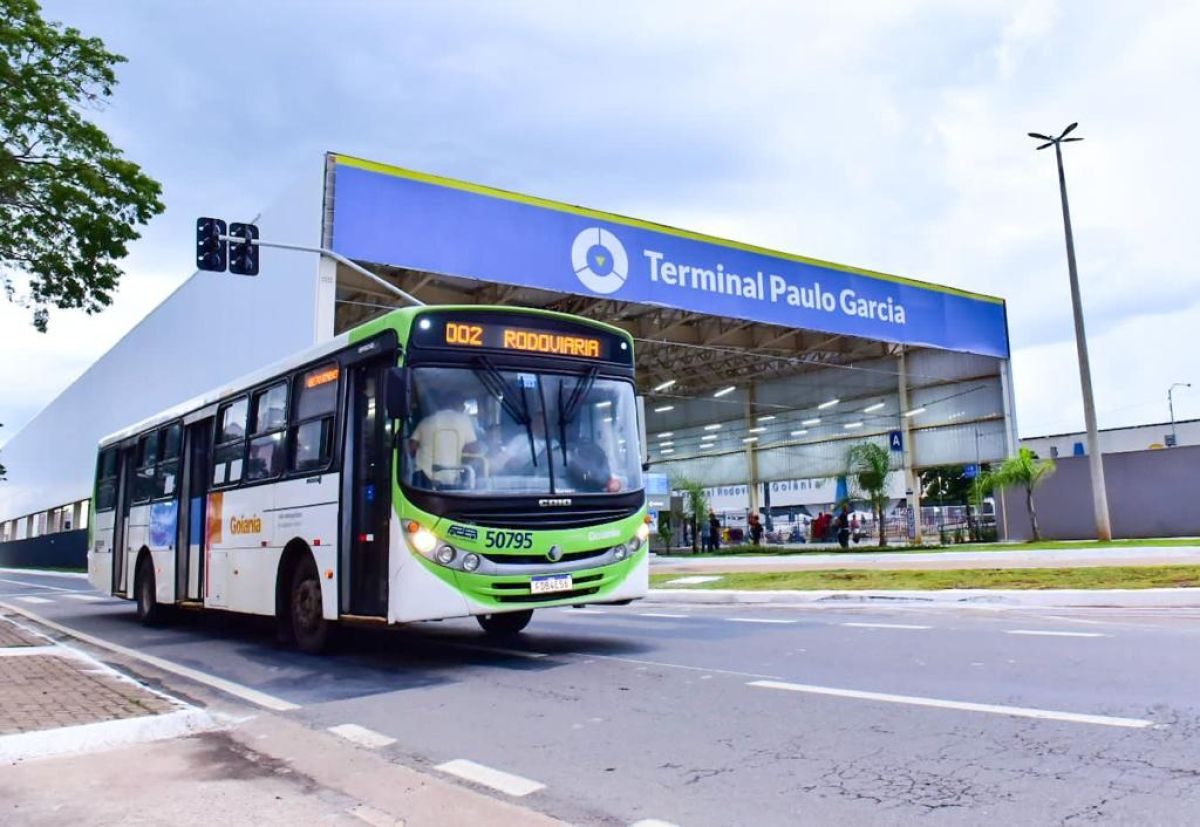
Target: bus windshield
point(483, 431)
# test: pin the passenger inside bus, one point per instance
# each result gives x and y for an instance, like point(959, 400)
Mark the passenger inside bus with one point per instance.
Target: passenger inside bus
point(439, 442)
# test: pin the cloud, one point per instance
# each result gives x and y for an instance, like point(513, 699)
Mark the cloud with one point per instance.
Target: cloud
point(888, 135)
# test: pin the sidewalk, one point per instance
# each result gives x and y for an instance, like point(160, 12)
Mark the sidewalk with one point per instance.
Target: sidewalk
point(1016, 559)
point(81, 743)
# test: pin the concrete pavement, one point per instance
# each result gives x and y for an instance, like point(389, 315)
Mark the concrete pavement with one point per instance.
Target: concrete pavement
point(1016, 559)
point(700, 715)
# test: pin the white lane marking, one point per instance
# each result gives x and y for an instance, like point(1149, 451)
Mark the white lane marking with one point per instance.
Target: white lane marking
point(759, 620)
point(34, 600)
point(705, 669)
point(505, 782)
point(965, 706)
point(36, 585)
point(586, 611)
point(694, 580)
point(86, 598)
point(229, 687)
point(362, 736)
point(659, 614)
point(495, 650)
point(886, 626)
point(1051, 633)
point(44, 572)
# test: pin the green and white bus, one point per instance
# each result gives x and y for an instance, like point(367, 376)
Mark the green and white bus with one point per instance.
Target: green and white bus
point(435, 462)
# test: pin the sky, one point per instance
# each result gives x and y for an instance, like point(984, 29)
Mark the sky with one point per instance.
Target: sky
point(885, 134)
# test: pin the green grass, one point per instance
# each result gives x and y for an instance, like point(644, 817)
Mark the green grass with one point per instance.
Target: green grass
point(1044, 545)
point(1094, 577)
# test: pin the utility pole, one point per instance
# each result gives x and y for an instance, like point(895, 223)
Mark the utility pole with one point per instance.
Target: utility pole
point(1095, 458)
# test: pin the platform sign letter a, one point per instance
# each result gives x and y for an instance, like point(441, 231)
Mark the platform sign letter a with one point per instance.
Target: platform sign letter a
point(896, 441)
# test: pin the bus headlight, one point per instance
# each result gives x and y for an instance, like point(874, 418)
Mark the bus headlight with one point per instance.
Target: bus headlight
point(423, 539)
point(470, 562)
point(643, 533)
point(619, 553)
point(445, 555)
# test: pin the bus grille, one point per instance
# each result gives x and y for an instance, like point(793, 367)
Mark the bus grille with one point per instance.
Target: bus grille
point(543, 519)
point(583, 584)
point(541, 559)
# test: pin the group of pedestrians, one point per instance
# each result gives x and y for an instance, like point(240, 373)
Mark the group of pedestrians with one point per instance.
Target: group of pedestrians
point(828, 527)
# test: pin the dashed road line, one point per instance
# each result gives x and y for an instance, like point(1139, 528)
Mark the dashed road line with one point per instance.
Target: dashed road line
point(759, 620)
point(229, 687)
point(661, 614)
point(34, 600)
point(87, 598)
point(362, 736)
point(585, 611)
point(36, 585)
point(499, 780)
point(886, 626)
point(963, 706)
point(1052, 633)
point(664, 665)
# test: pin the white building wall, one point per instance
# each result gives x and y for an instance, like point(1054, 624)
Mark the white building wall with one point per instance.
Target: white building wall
point(211, 330)
point(1116, 440)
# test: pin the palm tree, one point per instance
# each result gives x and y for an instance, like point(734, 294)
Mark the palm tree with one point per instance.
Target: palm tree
point(870, 464)
point(695, 505)
point(1027, 471)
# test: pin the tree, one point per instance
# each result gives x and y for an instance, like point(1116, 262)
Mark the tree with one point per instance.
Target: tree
point(1027, 471)
point(70, 203)
point(869, 463)
point(945, 484)
point(695, 505)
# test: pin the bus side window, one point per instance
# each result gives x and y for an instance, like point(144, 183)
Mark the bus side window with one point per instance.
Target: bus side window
point(106, 480)
point(168, 466)
point(313, 412)
point(147, 455)
point(230, 451)
point(266, 445)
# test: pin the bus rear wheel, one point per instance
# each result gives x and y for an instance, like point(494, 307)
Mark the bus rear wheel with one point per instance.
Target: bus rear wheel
point(505, 625)
point(309, 626)
point(149, 612)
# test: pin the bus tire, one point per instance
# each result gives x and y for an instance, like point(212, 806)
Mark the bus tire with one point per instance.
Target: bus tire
point(310, 629)
point(506, 624)
point(149, 610)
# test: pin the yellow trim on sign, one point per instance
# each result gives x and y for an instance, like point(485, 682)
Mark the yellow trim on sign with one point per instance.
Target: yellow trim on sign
point(561, 206)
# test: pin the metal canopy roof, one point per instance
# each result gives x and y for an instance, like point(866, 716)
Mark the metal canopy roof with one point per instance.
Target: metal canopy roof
point(700, 351)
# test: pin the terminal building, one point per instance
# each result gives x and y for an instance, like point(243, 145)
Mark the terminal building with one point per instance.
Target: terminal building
point(759, 369)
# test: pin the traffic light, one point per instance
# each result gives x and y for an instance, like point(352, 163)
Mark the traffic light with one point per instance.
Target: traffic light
point(243, 255)
point(210, 249)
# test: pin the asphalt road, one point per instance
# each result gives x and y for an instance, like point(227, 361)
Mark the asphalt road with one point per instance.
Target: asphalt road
point(740, 715)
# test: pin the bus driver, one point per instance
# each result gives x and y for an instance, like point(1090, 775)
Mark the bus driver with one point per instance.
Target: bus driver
point(439, 442)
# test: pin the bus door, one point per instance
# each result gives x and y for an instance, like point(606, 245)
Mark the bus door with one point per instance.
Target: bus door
point(366, 494)
point(126, 460)
point(193, 499)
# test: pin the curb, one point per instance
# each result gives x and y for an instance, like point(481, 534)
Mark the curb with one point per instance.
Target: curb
point(1043, 598)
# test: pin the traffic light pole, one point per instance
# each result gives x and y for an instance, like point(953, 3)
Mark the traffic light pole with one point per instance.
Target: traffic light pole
point(338, 257)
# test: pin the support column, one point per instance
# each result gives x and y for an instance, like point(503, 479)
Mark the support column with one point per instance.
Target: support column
point(912, 481)
point(77, 515)
point(751, 453)
point(1011, 440)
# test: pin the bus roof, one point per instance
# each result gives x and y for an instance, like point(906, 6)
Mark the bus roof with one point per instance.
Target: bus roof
point(398, 319)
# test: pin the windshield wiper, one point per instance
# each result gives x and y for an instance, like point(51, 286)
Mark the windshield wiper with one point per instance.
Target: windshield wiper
point(516, 406)
point(570, 409)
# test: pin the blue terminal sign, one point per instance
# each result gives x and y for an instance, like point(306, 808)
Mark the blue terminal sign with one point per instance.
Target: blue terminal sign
point(407, 219)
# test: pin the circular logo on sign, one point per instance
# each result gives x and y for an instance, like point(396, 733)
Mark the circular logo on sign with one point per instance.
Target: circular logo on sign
point(599, 260)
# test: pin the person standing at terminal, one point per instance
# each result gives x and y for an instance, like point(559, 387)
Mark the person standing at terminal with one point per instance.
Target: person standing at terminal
point(712, 534)
point(843, 527)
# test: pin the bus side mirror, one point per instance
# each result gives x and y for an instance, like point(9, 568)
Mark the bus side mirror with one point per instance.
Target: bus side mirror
point(396, 393)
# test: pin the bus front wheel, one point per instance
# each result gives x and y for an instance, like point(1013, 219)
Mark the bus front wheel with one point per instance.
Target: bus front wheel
point(309, 626)
point(504, 625)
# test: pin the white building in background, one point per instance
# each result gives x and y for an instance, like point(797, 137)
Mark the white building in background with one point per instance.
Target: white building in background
point(1116, 440)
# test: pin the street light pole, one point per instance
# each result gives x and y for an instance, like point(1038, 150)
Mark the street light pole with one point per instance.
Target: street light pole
point(1095, 459)
point(1171, 405)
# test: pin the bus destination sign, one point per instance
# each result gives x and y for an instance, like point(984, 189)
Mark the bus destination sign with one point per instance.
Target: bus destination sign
point(504, 337)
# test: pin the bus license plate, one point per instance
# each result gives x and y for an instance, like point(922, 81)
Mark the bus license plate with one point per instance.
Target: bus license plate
point(550, 583)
